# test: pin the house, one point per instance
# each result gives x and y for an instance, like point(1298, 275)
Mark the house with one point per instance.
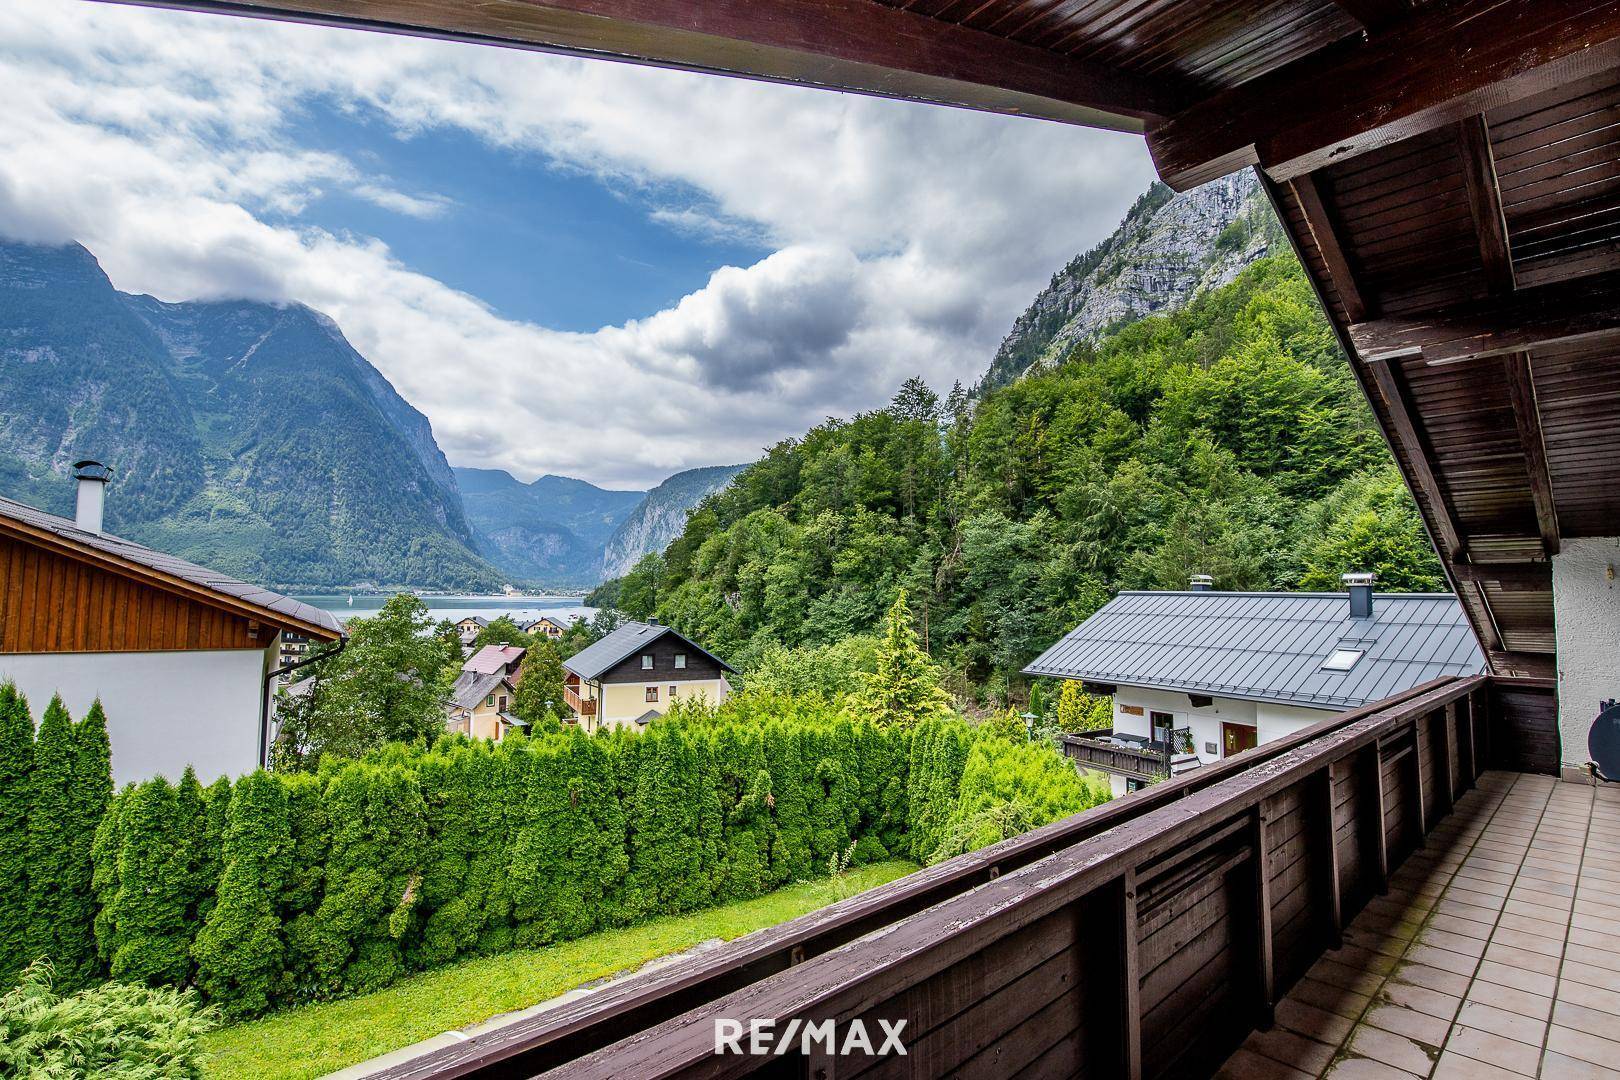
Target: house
point(480, 704)
point(1223, 671)
point(184, 659)
point(503, 658)
point(545, 625)
point(468, 629)
point(633, 674)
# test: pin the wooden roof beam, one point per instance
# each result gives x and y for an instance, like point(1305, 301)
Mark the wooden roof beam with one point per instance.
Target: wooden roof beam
point(1375, 15)
point(852, 45)
point(1405, 432)
point(1449, 61)
point(1326, 236)
point(1512, 577)
point(1527, 417)
point(1560, 311)
point(1485, 203)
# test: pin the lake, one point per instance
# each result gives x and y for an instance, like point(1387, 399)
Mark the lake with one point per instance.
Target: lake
point(520, 608)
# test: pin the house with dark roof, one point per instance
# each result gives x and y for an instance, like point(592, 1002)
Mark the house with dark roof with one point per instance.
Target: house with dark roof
point(467, 629)
point(481, 704)
point(184, 659)
point(634, 674)
point(1201, 675)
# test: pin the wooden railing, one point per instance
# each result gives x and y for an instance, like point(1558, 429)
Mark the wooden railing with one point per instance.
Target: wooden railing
point(1145, 761)
point(581, 706)
point(1144, 938)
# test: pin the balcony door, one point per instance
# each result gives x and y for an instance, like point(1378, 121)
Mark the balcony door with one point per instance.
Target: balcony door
point(1236, 738)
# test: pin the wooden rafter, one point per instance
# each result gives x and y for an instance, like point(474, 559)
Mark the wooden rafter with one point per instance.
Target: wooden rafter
point(1527, 417)
point(1485, 203)
point(1326, 236)
point(851, 45)
point(1445, 63)
point(1561, 311)
point(1376, 15)
point(1406, 432)
point(1512, 577)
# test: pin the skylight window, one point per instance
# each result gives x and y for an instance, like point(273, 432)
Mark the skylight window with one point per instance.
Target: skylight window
point(1342, 660)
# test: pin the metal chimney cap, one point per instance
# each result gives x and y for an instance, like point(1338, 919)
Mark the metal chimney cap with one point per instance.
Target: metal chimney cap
point(91, 469)
point(1201, 582)
point(1365, 577)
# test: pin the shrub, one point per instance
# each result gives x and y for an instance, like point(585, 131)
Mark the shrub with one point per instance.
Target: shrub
point(113, 1030)
point(16, 772)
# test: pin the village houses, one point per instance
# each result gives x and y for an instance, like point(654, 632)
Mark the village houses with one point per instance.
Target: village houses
point(635, 673)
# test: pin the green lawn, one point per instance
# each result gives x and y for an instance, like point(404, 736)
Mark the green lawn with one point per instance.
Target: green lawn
point(317, 1039)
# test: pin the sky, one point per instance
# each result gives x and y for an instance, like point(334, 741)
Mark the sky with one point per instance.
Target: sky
point(570, 266)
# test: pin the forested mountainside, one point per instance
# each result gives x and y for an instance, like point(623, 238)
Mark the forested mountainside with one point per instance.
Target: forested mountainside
point(1169, 249)
point(249, 437)
point(551, 531)
point(1227, 438)
point(660, 517)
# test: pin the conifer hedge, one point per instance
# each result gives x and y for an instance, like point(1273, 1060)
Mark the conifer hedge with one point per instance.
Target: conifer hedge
point(285, 888)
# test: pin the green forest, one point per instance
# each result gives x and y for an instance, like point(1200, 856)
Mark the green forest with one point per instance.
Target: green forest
point(1228, 438)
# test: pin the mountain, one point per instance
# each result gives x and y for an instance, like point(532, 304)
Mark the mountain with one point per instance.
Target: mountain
point(661, 516)
point(246, 436)
point(1169, 249)
point(551, 531)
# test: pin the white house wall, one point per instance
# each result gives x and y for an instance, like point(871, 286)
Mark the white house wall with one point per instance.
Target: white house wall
point(1269, 721)
point(1586, 613)
point(165, 710)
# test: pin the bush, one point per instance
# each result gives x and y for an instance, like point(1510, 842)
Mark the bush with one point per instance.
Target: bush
point(113, 1030)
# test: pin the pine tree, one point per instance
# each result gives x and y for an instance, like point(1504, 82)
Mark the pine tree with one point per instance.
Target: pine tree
point(104, 852)
point(16, 768)
point(54, 894)
point(241, 951)
point(905, 687)
point(209, 860)
point(151, 939)
point(90, 795)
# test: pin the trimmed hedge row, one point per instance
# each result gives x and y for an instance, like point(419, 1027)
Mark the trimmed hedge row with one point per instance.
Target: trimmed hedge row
point(286, 888)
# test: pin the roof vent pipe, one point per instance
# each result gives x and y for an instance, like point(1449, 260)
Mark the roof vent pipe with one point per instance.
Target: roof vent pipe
point(1360, 587)
point(92, 477)
point(1202, 583)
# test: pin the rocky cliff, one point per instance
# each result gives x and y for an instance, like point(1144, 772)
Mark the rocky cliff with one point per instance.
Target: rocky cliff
point(1168, 249)
point(661, 516)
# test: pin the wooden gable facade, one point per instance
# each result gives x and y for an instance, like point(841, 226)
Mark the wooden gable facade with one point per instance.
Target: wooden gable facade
point(699, 664)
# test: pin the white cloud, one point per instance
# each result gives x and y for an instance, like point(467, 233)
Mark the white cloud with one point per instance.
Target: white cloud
point(905, 237)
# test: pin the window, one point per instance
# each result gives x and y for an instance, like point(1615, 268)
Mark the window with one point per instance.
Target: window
point(652, 693)
point(646, 662)
point(489, 702)
point(680, 660)
point(1341, 660)
point(674, 690)
point(503, 703)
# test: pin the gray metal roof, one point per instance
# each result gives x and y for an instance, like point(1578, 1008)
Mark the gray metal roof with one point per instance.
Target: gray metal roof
point(1267, 646)
point(471, 687)
point(273, 604)
point(594, 659)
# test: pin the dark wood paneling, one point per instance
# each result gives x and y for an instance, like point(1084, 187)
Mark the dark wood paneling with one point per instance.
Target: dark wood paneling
point(50, 603)
point(663, 651)
point(1524, 728)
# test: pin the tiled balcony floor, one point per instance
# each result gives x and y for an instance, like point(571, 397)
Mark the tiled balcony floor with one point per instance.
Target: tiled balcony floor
point(1495, 954)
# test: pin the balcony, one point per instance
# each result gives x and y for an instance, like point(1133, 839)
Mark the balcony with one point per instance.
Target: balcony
point(1127, 754)
point(1300, 909)
point(581, 706)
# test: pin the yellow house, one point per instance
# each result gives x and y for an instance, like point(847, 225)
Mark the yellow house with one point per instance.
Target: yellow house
point(480, 705)
point(633, 674)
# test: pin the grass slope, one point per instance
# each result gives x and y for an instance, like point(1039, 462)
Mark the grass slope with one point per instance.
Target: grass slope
point(318, 1039)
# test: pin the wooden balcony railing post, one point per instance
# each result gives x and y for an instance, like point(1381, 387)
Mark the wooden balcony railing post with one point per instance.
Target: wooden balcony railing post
point(1447, 749)
point(1265, 960)
point(1334, 910)
point(1130, 979)
point(1368, 769)
point(1467, 752)
point(1414, 775)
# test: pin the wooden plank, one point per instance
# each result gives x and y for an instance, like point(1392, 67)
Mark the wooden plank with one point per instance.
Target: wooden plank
point(1448, 756)
point(1417, 453)
point(1265, 940)
point(1527, 418)
point(1320, 222)
point(850, 45)
point(1414, 777)
point(1519, 577)
point(1376, 14)
point(1447, 62)
point(1334, 913)
point(1369, 767)
point(1130, 982)
point(1485, 203)
point(1587, 307)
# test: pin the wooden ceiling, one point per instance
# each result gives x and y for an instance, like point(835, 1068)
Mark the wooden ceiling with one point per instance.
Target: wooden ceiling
point(1449, 171)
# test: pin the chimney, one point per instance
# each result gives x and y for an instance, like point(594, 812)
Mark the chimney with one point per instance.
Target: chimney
point(1360, 587)
point(92, 477)
point(1201, 583)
